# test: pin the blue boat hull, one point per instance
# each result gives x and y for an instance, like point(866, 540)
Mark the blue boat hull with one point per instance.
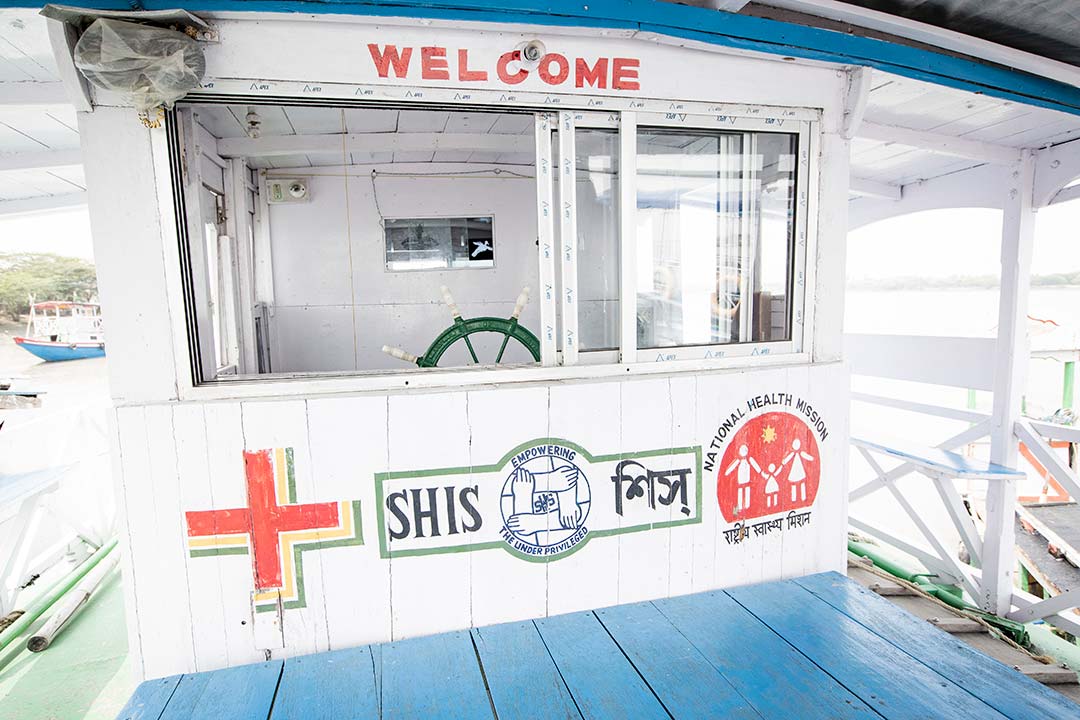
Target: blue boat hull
point(58, 352)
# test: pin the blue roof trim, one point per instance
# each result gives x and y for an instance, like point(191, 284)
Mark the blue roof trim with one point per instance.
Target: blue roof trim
point(680, 21)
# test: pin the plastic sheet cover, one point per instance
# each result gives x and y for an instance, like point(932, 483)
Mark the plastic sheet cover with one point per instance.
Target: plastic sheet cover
point(149, 66)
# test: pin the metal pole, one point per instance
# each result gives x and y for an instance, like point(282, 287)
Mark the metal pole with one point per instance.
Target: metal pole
point(72, 602)
point(54, 593)
point(1067, 385)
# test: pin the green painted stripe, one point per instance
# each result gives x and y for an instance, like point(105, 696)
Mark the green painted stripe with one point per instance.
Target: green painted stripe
point(212, 552)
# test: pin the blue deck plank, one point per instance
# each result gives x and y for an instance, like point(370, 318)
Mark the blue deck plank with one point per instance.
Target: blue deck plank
point(436, 676)
point(776, 679)
point(328, 686)
point(602, 681)
point(681, 677)
point(244, 691)
point(149, 699)
point(896, 685)
point(1008, 691)
point(521, 676)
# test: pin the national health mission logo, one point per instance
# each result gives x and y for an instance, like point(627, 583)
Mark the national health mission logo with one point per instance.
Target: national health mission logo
point(767, 458)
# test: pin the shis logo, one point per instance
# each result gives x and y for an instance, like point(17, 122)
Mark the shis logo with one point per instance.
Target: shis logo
point(771, 465)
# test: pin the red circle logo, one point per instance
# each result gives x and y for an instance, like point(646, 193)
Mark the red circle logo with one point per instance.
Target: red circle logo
point(770, 466)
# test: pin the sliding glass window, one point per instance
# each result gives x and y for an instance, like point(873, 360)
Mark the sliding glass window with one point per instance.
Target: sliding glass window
point(715, 237)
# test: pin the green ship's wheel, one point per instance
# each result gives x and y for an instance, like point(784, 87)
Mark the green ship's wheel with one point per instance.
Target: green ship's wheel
point(509, 328)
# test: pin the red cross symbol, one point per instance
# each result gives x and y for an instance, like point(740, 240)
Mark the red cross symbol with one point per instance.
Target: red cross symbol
point(264, 520)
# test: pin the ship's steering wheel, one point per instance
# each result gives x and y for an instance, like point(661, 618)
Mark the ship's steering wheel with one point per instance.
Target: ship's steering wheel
point(509, 328)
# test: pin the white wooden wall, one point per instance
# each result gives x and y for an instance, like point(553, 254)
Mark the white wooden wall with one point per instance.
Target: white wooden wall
point(196, 613)
point(178, 448)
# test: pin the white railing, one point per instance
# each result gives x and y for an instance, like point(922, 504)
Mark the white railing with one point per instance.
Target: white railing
point(953, 489)
point(1037, 436)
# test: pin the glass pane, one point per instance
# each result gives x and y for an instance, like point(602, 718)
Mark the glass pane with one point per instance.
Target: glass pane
point(439, 243)
point(384, 211)
point(715, 230)
point(597, 197)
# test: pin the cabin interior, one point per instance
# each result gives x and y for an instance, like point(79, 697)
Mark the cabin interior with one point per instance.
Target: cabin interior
point(354, 219)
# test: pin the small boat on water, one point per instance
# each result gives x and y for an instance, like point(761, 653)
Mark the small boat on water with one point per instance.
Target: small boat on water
point(61, 330)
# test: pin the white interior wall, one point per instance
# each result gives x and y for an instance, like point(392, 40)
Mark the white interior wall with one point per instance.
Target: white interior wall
point(330, 274)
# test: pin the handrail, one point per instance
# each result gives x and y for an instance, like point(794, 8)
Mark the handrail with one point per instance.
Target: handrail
point(1054, 431)
point(1028, 433)
point(924, 408)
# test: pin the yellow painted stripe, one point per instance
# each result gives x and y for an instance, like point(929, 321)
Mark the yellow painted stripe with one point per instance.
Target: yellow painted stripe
point(217, 540)
point(287, 539)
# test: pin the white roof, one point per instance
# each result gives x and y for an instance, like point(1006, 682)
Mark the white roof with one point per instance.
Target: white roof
point(39, 160)
point(40, 167)
point(897, 103)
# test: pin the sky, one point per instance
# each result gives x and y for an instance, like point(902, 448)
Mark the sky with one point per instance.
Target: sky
point(967, 241)
point(937, 243)
point(62, 232)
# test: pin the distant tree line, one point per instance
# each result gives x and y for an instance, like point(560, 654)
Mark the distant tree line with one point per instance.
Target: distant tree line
point(46, 277)
point(960, 281)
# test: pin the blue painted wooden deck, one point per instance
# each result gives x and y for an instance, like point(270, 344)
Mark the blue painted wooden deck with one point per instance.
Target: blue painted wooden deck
point(817, 647)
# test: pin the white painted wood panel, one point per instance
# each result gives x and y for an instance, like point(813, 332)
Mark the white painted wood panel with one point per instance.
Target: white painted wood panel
point(357, 594)
point(504, 587)
point(205, 592)
point(129, 256)
point(431, 593)
point(645, 422)
point(590, 416)
point(348, 442)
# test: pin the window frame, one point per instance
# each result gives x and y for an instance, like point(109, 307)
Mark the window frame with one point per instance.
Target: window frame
point(554, 365)
point(797, 285)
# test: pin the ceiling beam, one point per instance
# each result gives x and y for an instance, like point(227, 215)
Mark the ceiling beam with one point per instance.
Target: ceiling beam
point(276, 145)
point(42, 160)
point(862, 187)
point(1055, 169)
point(41, 204)
point(1065, 194)
point(32, 94)
point(939, 143)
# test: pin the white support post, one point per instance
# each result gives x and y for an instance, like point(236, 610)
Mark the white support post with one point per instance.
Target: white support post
point(1010, 371)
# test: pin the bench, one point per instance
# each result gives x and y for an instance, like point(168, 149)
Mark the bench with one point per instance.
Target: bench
point(938, 463)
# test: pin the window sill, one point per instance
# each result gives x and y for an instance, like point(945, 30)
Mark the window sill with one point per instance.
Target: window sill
point(286, 386)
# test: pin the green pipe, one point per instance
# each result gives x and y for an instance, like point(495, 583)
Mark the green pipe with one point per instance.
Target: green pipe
point(56, 591)
point(1046, 642)
point(949, 594)
point(1067, 389)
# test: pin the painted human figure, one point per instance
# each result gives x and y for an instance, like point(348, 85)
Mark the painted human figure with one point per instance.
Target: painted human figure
point(797, 474)
point(544, 501)
point(772, 487)
point(744, 462)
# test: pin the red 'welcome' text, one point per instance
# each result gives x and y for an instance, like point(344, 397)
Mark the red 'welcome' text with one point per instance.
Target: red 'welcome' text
point(555, 69)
